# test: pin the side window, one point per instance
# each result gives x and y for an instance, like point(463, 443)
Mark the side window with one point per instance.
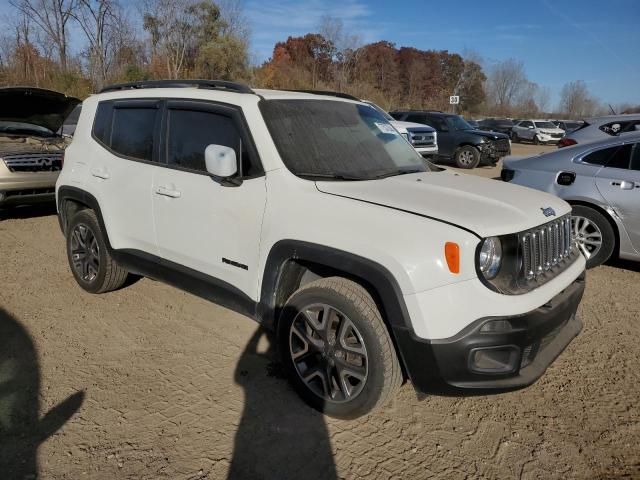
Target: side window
point(621, 157)
point(614, 128)
point(635, 158)
point(438, 123)
point(102, 122)
point(191, 131)
point(612, 157)
point(417, 118)
point(132, 131)
point(526, 124)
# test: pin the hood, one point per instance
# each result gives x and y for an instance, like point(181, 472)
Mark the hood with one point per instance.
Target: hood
point(491, 135)
point(484, 206)
point(36, 106)
point(400, 126)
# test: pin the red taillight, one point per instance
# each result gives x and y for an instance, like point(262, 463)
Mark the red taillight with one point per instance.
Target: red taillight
point(566, 142)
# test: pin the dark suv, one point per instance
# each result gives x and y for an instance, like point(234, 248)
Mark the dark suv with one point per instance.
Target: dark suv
point(458, 140)
point(501, 125)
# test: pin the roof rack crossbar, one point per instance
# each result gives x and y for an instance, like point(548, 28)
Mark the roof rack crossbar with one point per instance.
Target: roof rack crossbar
point(329, 93)
point(210, 84)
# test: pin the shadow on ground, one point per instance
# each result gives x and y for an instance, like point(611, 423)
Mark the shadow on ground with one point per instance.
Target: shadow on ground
point(279, 436)
point(28, 211)
point(21, 428)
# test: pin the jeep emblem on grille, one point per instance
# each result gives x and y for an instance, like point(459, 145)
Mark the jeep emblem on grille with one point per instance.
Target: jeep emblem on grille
point(548, 212)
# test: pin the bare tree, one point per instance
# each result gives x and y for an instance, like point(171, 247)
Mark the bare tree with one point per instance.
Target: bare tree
point(52, 17)
point(100, 20)
point(346, 48)
point(505, 82)
point(543, 99)
point(576, 101)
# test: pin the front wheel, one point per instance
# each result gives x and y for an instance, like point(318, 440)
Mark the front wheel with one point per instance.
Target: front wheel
point(514, 137)
point(467, 157)
point(594, 235)
point(536, 140)
point(337, 349)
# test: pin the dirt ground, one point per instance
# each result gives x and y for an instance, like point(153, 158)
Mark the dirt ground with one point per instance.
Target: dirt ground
point(150, 382)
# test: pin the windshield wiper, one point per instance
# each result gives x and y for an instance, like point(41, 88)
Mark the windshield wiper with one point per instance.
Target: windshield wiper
point(395, 173)
point(331, 176)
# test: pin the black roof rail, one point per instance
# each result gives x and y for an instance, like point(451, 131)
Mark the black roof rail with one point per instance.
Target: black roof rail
point(208, 84)
point(329, 93)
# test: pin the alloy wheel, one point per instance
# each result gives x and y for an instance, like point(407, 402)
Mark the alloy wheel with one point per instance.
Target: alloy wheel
point(328, 353)
point(466, 157)
point(587, 235)
point(85, 252)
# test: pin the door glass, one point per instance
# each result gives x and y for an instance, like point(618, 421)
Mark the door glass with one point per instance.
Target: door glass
point(190, 131)
point(620, 158)
point(635, 158)
point(132, 134)
point(600, 157)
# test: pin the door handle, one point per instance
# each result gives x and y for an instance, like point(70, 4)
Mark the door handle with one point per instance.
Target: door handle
point(167, 192)
point(100, 173)
point(624, 184)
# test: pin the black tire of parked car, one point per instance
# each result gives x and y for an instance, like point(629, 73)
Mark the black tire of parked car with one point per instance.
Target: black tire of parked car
point(467, 156)
point(514, 137)
point(108, 275)
point(536, 140)
point(608, 235)
point(384, 374)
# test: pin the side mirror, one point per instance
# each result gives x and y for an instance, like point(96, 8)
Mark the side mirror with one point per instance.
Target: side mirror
point(220, 161)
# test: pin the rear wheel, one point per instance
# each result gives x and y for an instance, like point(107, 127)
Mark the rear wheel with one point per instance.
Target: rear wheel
point(90, 262)
point(337, 349)
point(467, 157)
point(594, 235)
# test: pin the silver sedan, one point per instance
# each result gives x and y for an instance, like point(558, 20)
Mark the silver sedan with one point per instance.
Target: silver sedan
point(601, 180)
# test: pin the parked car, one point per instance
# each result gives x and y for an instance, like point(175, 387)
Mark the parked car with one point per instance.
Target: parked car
point(536, 131)
point(458, 140)
point(568, 125)
point(501, 125)
point(312, 215)
point(423, 138)
point(31, 153)
point(473, 123)
point(601, 180)
point(600, 128)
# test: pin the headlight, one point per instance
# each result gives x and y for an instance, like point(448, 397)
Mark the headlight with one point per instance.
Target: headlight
point(490, 257)
point(406, 136)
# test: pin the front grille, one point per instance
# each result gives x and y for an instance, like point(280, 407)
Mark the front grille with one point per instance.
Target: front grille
point(34, 162)
point(502, 147)
point(419, 139)
point(546, 247)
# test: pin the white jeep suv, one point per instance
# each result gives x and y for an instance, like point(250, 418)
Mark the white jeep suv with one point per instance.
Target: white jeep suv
point(312, 215)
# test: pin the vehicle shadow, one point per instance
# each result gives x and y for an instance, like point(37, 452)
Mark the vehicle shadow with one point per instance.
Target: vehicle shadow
point(624, 264)
point(28, 211)
point(279, 436)
point(21, 428)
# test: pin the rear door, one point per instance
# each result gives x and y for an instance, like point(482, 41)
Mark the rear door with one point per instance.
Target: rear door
point(122, 170)
point(446, 138)
point(202, 222)
point(619, 183)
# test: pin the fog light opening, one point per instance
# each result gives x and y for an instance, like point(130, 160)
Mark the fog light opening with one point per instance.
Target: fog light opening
point(503, 359)
point(496, 326)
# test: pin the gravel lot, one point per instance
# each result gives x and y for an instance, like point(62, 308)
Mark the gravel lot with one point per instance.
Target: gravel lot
point(151, 382)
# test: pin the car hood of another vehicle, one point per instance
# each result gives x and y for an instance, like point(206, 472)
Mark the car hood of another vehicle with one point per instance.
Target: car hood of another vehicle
point(491, 135)
point(37, 106)
point(400, 126)
point(484, 206)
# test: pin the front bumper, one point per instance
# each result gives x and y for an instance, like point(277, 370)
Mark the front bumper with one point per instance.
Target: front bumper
point(427, 150)
point(535, 340)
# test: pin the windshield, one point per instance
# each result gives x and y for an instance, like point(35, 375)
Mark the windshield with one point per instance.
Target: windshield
point(456, 122)
point(545, 125)
point(339, 140)
point(24, 128)
point(381, 111)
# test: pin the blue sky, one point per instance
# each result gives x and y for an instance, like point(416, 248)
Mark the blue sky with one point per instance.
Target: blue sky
point(597, 41)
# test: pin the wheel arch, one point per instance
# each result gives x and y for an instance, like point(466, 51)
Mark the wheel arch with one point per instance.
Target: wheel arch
point(289, 260)
point(603, 212)
point(73, 199)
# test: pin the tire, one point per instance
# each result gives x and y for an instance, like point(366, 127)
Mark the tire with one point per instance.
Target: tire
point(467, 157)
point(98, 273)
point(536, 140)
point(589, 225)
point(514, 137)
point(309, 350)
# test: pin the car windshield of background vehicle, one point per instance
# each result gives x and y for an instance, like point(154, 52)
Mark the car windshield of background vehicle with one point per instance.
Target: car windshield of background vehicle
point(25, 128)
point(458, 123)
point(381, 111)
point(338, 140)
point(545, 125)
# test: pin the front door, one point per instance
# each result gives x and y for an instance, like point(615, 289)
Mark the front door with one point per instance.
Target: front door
point(204, 223)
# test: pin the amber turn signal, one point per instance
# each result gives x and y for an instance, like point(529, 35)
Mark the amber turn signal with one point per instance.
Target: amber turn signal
point(452, 254)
